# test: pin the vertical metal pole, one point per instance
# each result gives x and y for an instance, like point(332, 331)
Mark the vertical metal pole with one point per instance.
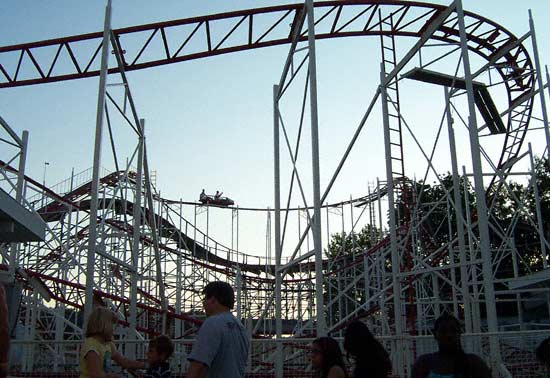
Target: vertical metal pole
point(515, 267)
point(232, 231)
point(366, 276)
point(137, 221)
point(180, 325)
point(21, 168)
point(339, 277)
point(452, 260)
point(476, 317)
point(14, 250)
point(277, 199)
point(395, 263)
point(459, 219)
point(155, 236)
point(540, 220)
point(30, 323)
point(97, 164)
point(420, 304)
point(60, 310)
point(483, 221)
point(540, 83)
point(316, 226)
point(379, 203)
point(239, 285)
point(437, 296)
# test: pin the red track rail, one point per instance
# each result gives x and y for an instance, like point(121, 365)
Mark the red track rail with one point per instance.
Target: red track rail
point(250, 30)
point(175, 41)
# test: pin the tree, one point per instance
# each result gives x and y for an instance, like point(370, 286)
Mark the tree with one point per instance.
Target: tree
point(343, 293)
point(429, 209)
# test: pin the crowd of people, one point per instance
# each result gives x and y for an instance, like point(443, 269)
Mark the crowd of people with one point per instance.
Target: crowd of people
point(222, 347)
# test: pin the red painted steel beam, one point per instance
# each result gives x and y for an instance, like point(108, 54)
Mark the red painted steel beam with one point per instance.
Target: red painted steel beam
point(413, 17)
point(485, 38)
point(252, 30)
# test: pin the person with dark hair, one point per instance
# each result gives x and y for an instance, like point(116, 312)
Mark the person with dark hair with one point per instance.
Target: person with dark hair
point(202, 196)
point(326, 358)
point(159, 351)
point(450, 361)
point(543, 354)
point(222, 344)
point(371, 359)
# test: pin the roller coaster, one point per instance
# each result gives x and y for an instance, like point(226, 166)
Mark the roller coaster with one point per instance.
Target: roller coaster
point(112, 239)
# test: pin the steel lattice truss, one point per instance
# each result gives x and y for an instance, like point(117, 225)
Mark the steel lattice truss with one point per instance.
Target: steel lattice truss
point(180, 40)
point(357, 285)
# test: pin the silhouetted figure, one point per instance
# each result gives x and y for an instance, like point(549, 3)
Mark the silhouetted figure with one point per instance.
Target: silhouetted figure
point(218, 195)
point(326, 358)
point(4, 334)
point(371, 359)
point(202, 196)
point(222, 343)
point(450, 361)
point(543, 354)
point(159, 351)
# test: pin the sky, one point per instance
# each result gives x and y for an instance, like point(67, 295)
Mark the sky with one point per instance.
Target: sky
point(209, 121)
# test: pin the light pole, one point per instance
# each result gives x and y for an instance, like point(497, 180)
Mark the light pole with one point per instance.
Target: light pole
point(44, 176)
point(44, 182)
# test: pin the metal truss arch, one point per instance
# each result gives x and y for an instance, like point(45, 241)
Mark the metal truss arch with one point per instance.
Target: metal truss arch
point(164, 43)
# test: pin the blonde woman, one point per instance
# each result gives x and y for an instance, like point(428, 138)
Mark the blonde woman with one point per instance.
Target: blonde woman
point(98, 349)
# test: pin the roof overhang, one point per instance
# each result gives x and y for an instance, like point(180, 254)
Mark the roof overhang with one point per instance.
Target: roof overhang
point(17, 224)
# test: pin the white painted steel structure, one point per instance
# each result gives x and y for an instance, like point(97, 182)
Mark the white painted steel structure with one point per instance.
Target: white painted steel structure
point(142, 257)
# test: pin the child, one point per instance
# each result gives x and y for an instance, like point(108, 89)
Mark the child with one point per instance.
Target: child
point(160, 350)
point(98, 349)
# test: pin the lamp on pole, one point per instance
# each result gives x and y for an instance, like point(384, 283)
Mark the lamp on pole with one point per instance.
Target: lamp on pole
point(44, 176)
point(44, 182)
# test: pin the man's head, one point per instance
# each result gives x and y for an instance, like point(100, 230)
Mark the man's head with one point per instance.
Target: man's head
point(160, 349)
point(218, 297)
point(447, 333)
point(543, 352)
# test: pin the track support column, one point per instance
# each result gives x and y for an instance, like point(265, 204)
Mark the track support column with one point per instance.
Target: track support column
point(278, 273)
point(131, 348)
point(459, 219)
point(316, 226)
point(541, 88)
point(481, 205)
point(90, 263)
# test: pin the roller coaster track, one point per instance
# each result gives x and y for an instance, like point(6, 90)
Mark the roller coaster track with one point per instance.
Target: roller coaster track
point(55, 210)
point(174, 41)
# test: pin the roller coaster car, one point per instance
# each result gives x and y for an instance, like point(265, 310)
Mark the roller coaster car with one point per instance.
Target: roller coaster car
point(220, 201)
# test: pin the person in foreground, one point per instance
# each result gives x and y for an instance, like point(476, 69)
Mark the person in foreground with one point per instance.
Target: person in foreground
point(543, 356)
point(4, 334)
point(371, 359)
point(98, 349)
point(450, 361)
point(222, 344)
point(159, 351)
point(326, 358)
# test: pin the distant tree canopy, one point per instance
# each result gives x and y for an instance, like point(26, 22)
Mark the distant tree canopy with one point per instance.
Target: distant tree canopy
point(430, 209)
